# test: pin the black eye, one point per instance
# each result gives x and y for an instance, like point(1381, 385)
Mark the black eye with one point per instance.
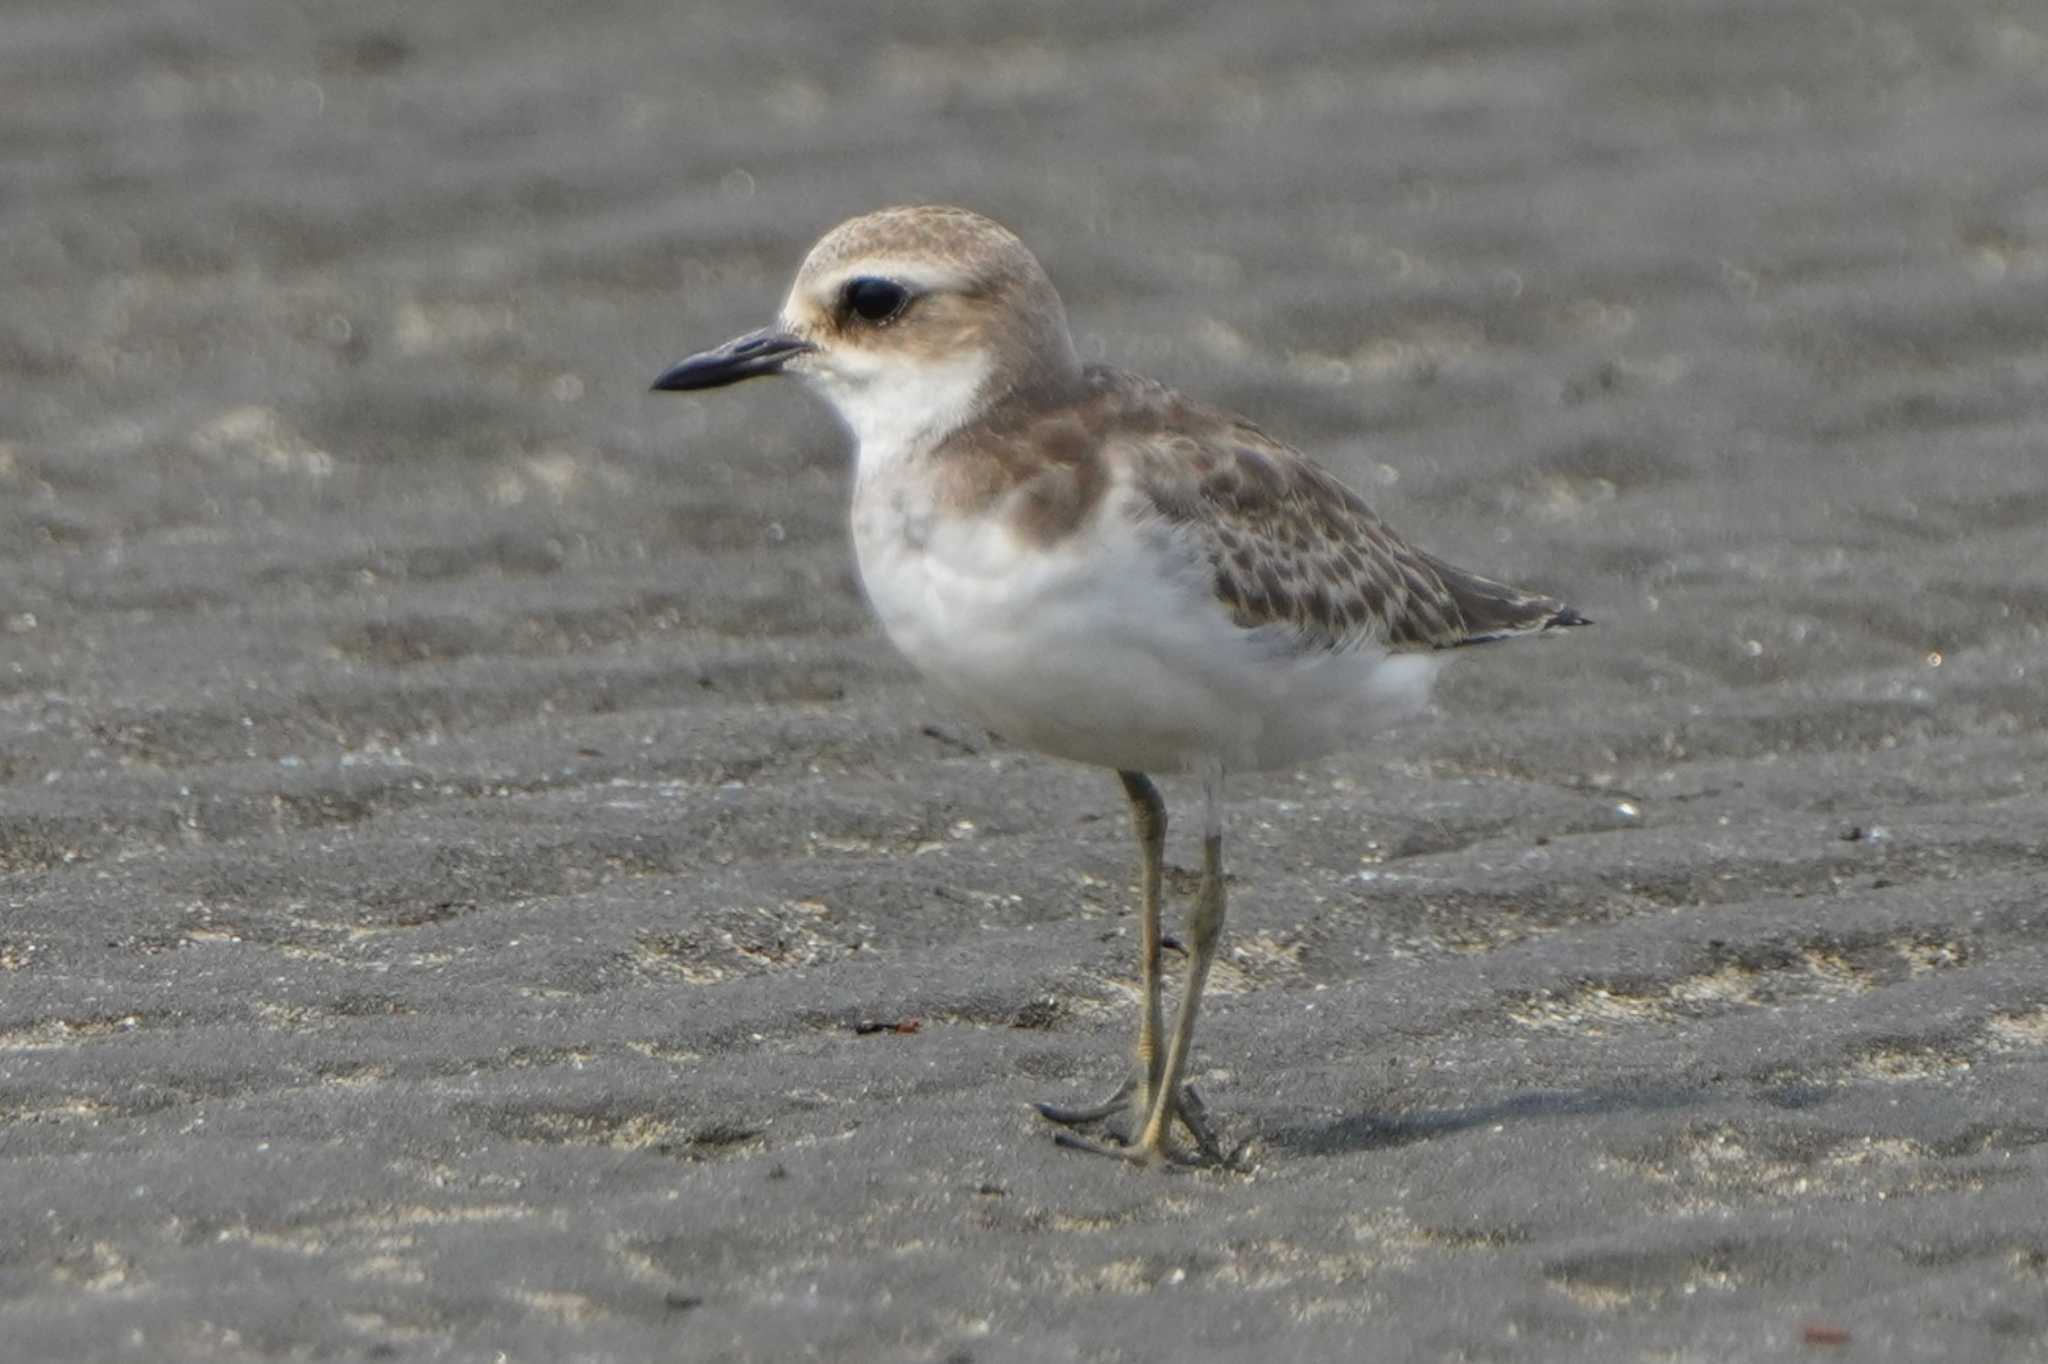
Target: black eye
point(875, 300)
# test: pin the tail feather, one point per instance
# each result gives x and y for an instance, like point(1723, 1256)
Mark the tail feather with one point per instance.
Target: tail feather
point(1494, 611)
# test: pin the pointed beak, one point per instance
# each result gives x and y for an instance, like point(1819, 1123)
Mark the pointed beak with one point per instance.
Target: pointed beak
point(743, 357)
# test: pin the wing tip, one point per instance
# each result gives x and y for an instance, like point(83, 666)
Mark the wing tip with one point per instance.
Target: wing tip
point(1557, 616)
point(1565, 618)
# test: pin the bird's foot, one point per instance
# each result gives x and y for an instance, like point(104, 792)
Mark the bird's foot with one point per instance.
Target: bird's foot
point(1123, 1117)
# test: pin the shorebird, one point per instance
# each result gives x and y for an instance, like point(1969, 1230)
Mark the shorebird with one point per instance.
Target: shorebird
point(1094, 566)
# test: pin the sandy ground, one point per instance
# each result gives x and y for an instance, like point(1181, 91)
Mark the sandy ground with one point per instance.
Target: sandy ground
point(459, 825)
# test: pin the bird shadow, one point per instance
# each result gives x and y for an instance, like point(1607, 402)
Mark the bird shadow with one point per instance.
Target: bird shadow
point(1379, 1131)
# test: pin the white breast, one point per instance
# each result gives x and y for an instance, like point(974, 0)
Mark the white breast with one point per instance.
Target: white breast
point(1109, 647)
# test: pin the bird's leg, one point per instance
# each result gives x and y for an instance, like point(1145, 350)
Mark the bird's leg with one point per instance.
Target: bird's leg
point(1153, 1093)
point(1148, 823)
point(1205, 926)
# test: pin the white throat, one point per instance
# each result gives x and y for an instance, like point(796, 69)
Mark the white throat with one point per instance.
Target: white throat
point(896, 411)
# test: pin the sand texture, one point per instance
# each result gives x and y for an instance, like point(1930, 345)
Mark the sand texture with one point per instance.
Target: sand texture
point(475, 884)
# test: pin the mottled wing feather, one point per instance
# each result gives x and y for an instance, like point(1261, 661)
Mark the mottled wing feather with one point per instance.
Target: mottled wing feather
point(1289, 545)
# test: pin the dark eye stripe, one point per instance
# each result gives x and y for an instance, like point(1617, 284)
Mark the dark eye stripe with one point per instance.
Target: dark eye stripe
point(873, 299)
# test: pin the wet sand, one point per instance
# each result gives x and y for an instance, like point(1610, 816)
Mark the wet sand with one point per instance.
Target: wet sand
point(459, 826)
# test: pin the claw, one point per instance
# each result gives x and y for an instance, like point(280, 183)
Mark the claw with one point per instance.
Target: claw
point(1079, 1117)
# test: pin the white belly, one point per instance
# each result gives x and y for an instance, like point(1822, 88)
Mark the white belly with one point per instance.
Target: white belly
point(1108, 648)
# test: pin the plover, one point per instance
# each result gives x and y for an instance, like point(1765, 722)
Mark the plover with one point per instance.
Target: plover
point(1094, 566)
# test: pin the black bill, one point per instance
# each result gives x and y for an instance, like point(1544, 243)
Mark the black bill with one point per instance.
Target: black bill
point(743, 357)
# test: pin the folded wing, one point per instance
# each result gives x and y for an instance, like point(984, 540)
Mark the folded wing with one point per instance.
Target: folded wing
point(1289, 545)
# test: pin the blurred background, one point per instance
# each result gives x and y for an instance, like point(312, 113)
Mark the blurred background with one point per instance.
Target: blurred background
point(431, 765)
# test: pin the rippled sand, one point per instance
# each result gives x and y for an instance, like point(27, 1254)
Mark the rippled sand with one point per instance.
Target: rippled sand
point(460, 827)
